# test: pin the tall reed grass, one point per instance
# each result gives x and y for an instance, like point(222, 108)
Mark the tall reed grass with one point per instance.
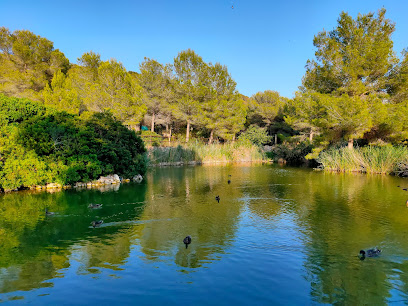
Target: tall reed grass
point(239, 151)
point(381, 160)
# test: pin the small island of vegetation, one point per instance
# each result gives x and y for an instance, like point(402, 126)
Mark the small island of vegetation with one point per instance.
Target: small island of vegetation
point(64, 123)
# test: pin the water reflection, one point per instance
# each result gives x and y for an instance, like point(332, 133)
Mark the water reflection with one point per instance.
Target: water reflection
point(35, 247)
point(294, 230)
point(184, 200)
point(347, 213)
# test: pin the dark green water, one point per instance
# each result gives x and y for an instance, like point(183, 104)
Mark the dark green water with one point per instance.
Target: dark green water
point(278, 236)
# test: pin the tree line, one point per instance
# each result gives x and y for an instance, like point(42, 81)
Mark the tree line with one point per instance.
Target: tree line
point(355, 88)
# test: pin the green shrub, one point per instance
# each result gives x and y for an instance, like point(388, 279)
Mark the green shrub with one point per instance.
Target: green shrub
point(293, 154)
point(18, 110)
point(38, 146)
point(117, 147)
point(256, 135)
point(151, 139)
point(23, 168)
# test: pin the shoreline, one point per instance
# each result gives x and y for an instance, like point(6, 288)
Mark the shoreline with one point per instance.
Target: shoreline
point(200, 163)
point(112, 182)
point(359, 172)
point(104, 182)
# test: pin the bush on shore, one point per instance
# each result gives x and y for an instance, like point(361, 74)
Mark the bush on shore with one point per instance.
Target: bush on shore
point(151, 139)
point(40, 145)
point(290, 153)
point(256, 135)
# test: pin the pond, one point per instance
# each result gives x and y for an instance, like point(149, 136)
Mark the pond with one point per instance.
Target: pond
point(277, 236)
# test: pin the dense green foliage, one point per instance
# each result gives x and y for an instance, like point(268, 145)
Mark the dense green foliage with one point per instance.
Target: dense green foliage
point(354, 58)
point(354, 91)
point(27, 63)
point(290, 153)
point(356, 87)
point(256, 135)
point(41, 145)
point(151, 138)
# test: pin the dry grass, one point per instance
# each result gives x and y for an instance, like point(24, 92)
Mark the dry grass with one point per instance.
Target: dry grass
point(203, 153)
point(381, 160)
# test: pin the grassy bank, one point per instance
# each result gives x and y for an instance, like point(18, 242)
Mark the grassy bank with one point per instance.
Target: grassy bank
point(381, 160)
point(202, 153)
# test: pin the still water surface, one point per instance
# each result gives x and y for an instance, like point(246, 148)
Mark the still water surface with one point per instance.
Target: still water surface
point(278, 236)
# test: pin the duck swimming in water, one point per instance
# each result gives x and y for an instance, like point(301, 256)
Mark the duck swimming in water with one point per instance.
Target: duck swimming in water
point(187, 241)
point(217, 198)
point(96, 223)
point(95, 206)
point(49, 213)
point(369, 253)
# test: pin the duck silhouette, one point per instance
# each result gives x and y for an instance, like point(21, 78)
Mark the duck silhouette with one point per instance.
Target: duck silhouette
point(187, 241)
point(96, 223)
point(95, 206)
point(49, 213)
point(369, 253)
point(217, 198)
point(229, 179)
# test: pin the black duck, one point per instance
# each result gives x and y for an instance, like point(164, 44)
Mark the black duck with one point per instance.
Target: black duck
point(49, 213)
point(96, 223)
point(187, 241)
point(370, 253)
point(95, 206)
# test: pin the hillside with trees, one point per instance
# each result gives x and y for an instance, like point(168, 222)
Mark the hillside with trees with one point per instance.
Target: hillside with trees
point(354, 92)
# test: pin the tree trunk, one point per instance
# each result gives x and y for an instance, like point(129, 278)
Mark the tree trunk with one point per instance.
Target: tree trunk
point(233, 138)
point(152, 129)
point(311, 136)
point(276, 138)
point(170, 135)
point(350, 144)
point(211, 137)
point(188, 131)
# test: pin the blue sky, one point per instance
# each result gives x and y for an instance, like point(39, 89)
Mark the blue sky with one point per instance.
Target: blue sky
point(264, 44)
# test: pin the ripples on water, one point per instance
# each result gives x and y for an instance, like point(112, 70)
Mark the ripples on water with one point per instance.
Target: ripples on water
point(278, 236)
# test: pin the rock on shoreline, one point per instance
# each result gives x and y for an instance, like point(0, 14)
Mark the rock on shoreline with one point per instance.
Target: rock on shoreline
point(112, 179)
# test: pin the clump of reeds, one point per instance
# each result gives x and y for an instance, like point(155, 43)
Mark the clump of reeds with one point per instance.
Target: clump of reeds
point(381, 160)
point(238, 151)
point(171, 155)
